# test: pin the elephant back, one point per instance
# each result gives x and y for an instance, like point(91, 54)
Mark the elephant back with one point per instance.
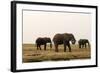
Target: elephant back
point(47, 39)
point(83, 41)
point(66, 37)
point(40, 41)
point(58, 37)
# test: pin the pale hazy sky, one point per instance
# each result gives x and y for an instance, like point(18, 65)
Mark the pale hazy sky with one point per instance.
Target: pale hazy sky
point(47, 24)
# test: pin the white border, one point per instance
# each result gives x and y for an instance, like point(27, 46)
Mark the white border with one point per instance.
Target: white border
point(50, 64)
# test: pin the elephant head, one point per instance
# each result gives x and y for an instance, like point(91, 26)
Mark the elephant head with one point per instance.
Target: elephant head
point(48, 40)
point(72, 38)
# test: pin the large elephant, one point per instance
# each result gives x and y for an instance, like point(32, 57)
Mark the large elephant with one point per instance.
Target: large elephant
point(43, 41)
point(83, 43)
point(63, 39)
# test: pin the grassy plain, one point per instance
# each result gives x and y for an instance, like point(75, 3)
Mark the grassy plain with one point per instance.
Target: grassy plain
point(31, 54)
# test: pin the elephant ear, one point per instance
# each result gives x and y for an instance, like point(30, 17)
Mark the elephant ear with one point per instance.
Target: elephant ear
point(71, 35)
point(66, 37)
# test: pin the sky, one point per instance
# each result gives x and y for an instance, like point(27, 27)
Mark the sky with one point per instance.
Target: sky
point(47, 24)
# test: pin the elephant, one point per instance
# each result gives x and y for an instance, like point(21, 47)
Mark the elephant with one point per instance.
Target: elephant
point(64, 39)
point(43, 41)
point(83, 43)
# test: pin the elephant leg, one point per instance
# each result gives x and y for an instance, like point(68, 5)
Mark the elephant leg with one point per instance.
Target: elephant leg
point(37, 47)
point(85, 45)
point(79, 45)
point(64, 47)
point(50, 45)
point(40, 47)
point(88, 44)
point(69, 47)
point(82, 45)
point(56, 47)
point(45, 47)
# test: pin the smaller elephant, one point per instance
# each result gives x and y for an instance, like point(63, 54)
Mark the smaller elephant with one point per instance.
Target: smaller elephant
point(83, 43)
point(43, 41)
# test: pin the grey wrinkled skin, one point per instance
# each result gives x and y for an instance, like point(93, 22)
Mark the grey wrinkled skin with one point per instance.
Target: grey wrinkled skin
point(83, 43)
point(43, 41)
point(64, 39)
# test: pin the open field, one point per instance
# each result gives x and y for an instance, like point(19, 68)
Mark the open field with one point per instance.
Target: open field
point(31, 54)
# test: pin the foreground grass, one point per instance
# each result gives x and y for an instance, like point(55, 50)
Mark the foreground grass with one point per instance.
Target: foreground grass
point(31, 54)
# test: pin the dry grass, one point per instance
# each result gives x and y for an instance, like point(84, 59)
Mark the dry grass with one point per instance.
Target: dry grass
point(31, 54)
